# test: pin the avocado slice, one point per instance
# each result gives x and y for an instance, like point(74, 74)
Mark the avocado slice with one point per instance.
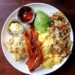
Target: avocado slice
point(42, 21)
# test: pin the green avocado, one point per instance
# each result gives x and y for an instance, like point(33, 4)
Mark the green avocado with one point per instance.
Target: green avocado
point(42, 21)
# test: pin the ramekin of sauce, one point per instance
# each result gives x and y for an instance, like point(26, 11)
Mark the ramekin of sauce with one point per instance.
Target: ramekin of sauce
point(26, 14)
point(14, 27)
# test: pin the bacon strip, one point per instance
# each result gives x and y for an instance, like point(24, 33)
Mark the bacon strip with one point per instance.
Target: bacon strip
point(32, 48)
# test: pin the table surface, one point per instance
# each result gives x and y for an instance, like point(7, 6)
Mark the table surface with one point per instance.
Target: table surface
point(8, 6)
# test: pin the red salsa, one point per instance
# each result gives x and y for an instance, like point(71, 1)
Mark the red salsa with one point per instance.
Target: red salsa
point(26, 14)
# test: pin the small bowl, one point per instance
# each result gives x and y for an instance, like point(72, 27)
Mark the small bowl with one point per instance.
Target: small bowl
point(8, 25)
point(26, 14)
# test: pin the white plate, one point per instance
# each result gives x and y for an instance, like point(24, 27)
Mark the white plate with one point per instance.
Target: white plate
point(21, 66)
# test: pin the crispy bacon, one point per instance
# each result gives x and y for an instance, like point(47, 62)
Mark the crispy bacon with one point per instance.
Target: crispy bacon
point(32, 48)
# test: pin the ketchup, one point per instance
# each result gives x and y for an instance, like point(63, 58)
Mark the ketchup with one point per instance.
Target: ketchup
point(26, 14)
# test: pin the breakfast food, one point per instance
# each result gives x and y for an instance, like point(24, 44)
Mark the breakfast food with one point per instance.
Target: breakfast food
point(44, 43)
point(15, 46)
point(33, 48)
point(56, 41)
